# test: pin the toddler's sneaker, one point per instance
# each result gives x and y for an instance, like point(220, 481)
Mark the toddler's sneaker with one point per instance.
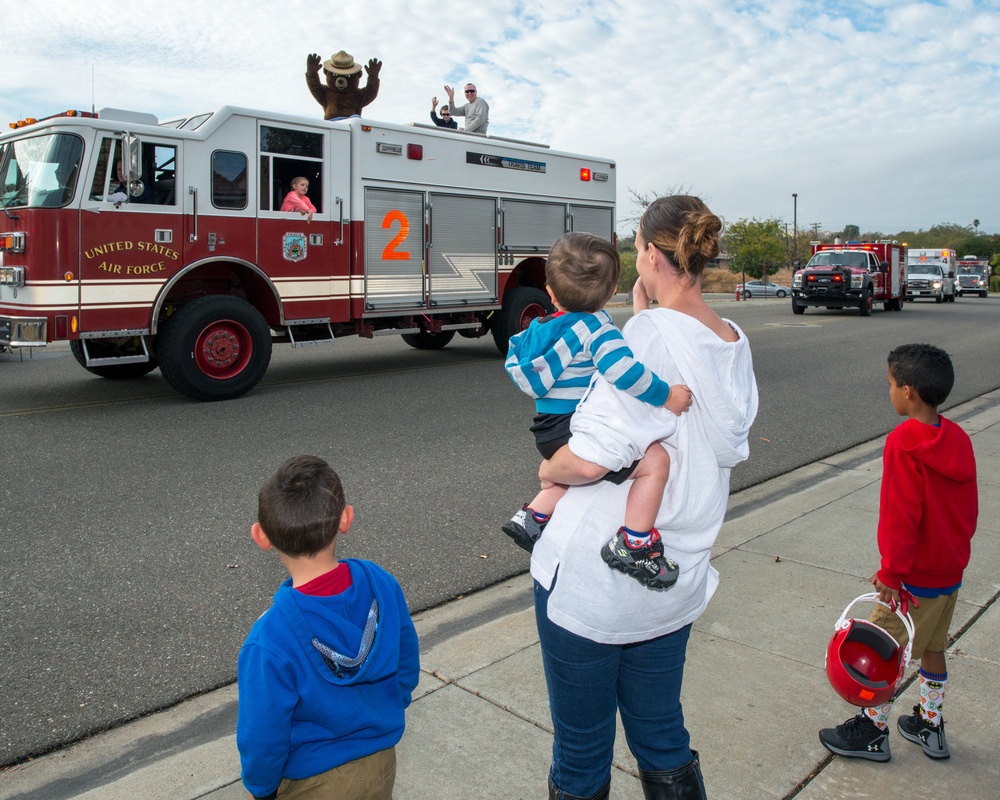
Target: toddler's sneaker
point(524, 529)
point(930, 737)
point(646, 564)
point(859, 737)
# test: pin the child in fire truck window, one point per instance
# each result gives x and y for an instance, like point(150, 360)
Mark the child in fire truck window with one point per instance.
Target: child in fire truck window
point(296, 199)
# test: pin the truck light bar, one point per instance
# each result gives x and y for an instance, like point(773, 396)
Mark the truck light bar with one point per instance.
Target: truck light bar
point(23, 123)
point(12, 242)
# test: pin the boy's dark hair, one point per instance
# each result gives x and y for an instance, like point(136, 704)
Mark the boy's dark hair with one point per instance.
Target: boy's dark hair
point(300, 505)
point(926, 369)
point(582, 271)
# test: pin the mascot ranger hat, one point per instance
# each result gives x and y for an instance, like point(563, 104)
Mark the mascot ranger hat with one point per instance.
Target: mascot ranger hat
point(341, 63)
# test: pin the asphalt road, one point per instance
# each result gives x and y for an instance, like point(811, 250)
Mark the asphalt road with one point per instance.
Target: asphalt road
point(129, 577)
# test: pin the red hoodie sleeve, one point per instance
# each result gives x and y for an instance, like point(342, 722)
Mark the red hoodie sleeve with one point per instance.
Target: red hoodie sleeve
point(901, 507)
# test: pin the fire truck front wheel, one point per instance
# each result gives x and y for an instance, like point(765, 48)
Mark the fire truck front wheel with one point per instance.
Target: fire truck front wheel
point(215, 348)
point(520, 306)
point(866, 304)
point(425, 340)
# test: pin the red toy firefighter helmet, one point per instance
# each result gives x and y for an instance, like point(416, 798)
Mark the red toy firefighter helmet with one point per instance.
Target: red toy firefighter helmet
point(863, 662)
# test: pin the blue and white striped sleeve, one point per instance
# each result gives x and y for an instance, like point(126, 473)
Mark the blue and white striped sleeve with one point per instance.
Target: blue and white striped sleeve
point(616, 362)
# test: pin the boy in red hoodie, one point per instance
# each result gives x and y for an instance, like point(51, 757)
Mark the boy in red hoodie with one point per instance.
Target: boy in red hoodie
point(928, 509)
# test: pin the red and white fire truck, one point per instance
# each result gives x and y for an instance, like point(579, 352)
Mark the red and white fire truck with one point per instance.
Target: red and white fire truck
point(852, 275)
point(973, 276)
point(184, 260)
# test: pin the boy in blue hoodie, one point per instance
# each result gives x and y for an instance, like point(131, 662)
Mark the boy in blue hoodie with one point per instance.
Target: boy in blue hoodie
point(327, 671)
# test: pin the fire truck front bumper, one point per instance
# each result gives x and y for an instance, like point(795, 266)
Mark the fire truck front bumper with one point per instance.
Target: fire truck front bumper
point(840, 299)
point(23, 331)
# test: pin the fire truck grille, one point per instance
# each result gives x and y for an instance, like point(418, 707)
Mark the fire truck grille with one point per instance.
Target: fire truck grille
point(826, 284)
point(919, 283)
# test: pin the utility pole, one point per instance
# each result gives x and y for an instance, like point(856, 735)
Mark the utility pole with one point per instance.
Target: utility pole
point(795, 227)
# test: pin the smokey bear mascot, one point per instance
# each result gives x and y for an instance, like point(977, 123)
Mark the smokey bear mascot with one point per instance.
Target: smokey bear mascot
point(342, 97)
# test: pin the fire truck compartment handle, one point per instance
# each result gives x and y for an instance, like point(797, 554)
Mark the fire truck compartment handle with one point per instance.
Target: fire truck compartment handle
point(340, 238)
point(193, 191)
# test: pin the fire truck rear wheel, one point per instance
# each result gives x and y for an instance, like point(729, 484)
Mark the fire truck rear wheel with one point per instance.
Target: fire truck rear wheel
point(215, 348)
point(425, 340)
point(520, 306)
point(119, 372)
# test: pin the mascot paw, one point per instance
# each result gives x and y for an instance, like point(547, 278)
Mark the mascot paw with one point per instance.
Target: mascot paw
point(313, 62)
point(374, 65)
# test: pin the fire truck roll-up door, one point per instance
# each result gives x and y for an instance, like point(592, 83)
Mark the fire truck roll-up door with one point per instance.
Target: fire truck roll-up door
point(598, 221)
point(462, 252)
point(394, 250)
point(895, 272)
point(530, 225)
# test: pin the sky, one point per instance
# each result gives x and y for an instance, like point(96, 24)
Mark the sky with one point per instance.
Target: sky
point(884, 114)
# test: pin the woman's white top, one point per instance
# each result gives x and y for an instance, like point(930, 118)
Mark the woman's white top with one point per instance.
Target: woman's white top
point(613, 429)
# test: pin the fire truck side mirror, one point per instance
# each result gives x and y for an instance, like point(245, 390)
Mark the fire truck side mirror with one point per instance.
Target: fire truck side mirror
point(131, 159)
point(883, 266)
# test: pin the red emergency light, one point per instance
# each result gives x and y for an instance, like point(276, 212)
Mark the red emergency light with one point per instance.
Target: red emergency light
point(584, 174)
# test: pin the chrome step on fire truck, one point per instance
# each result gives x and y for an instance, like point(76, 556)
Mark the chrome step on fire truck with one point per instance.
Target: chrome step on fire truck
point(852, 275)
point(188, 264)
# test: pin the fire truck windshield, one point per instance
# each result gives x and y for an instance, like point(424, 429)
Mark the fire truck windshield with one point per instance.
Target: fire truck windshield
point(40, 171)
point(831, 258)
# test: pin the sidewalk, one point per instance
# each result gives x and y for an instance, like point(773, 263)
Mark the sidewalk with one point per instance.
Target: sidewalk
point(793, 552)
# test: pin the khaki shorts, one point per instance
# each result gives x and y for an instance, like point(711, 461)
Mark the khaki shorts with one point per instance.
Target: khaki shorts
point(368, 778)
point(930, 623)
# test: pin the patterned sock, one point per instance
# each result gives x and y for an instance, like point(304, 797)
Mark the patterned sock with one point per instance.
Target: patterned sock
point(636, 538)
point(880, 715)
point(932, 696)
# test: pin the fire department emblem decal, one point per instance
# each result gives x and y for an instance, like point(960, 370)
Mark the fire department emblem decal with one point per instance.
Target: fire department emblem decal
point(293, 246)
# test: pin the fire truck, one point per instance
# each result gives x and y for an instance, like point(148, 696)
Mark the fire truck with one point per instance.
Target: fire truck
point(852, 275)
point(973, 276)
point(148, 244)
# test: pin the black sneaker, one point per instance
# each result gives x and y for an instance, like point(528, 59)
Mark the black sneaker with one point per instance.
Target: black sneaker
point(930, 737)
point(646, 564)
point(859, 737)
point(524, 529)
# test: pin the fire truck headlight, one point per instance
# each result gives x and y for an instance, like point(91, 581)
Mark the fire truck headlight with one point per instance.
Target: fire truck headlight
point(937, 284)
point(857, 281)
point(797, 281)
point(12, 276)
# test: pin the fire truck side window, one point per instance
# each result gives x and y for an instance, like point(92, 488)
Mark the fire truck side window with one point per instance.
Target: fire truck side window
point(229, 179)
point(158, 174)
point(286, 154)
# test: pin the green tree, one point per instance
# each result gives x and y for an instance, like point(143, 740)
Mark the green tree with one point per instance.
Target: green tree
point(756, 247)
point(852, 233)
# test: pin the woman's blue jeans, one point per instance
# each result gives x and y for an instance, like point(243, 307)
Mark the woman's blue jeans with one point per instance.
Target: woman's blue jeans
point(589, 683)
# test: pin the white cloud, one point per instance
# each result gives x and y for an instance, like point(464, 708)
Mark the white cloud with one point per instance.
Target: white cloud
point(882, 114)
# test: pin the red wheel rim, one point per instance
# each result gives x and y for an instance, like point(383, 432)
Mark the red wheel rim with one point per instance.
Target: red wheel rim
point(531, 312)
point(223, 349)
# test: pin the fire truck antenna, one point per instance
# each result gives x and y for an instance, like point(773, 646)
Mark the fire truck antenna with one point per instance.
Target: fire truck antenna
point(93, 89)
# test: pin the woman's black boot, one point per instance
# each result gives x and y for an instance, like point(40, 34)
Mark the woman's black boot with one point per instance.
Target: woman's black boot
point(683, 783)
point(556, 794)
